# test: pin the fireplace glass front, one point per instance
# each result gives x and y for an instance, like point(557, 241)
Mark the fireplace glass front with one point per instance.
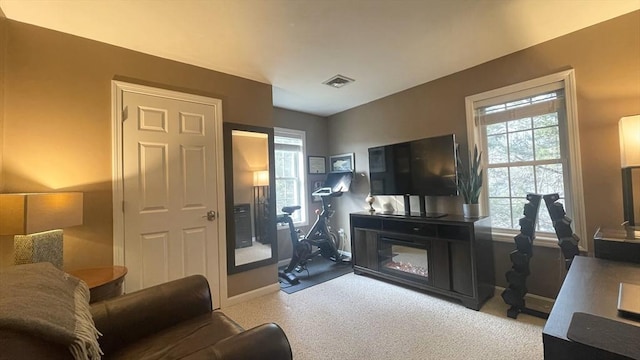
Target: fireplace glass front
point(404, 259)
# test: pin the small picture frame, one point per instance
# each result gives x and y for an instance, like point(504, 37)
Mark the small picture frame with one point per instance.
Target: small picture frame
point(315, 186)
point(342, 162)
point(317, 165)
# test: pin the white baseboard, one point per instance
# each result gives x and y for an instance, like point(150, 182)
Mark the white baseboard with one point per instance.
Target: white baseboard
point(250, 295)
point(541, 301)
point(533, 296)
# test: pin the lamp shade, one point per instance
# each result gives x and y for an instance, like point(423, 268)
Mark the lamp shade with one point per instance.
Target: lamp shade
point(261, 178)
point(30, 213)
point(629, 128)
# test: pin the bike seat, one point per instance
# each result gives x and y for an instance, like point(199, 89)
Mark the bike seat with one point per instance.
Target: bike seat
point(290, 209)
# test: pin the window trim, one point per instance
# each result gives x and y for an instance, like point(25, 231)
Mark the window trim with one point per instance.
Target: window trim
point(567, 78)
point(304, 206)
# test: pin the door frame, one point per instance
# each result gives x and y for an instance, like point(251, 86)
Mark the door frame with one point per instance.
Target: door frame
point(118, 88)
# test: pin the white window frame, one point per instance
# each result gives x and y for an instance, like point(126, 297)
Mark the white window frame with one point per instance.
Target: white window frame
point(300, 134)
point(575, 190)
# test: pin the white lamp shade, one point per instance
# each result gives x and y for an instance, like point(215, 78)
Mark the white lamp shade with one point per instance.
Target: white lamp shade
point(22, 214)
point(629, 128)
point(261, 178)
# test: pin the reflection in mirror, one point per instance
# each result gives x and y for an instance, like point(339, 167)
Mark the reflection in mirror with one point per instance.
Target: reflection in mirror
point(250, 189)
point(250, 230)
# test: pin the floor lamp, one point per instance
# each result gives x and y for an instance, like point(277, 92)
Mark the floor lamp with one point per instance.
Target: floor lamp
point(36, 221)
point(629, 128)
point(260, 202)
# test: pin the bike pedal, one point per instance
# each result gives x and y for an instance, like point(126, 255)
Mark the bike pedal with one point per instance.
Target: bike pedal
point(289, 277)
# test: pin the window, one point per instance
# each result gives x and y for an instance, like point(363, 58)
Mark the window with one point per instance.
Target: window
point(528, 136)
point(290, 173)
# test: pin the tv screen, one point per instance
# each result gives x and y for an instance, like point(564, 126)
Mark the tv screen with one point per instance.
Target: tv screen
point(339, 181)
point(425, 167)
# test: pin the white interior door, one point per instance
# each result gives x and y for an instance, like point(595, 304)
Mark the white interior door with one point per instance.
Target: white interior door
point(170, 184)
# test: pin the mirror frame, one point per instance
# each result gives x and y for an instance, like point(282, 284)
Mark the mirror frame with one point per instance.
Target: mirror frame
point(228, 129)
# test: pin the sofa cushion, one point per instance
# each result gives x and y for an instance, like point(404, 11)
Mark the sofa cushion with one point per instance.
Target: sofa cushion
point(126, 319)
point(181, 340)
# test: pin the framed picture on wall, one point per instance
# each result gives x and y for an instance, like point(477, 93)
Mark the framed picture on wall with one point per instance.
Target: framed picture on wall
point(317, 165)
point(315, 185)
point(342, 162)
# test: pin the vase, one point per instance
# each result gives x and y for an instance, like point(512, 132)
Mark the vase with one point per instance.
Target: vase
point(370, 200)
point(471, 210)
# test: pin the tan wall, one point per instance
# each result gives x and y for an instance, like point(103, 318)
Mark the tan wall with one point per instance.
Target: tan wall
point(3, 41)
point(57, 127)
point(6, 242)
point(606, 59)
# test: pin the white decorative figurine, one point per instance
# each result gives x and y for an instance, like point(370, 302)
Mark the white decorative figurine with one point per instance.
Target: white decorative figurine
point(370, 200)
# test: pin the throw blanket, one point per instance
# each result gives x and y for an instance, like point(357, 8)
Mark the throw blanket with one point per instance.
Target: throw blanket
point(46, 302)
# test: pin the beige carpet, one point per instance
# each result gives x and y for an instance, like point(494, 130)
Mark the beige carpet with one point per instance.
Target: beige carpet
point(358, 317)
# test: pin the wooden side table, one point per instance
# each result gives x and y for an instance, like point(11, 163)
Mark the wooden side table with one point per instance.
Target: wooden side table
point(617, 244)
point(104, 282)
point(590, 287)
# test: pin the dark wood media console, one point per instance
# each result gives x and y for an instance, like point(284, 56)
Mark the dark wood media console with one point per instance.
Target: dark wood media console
point(451, 255)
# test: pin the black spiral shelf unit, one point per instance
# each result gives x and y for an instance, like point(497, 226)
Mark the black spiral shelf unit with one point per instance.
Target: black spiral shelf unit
point(567, 240)
point(514, 294)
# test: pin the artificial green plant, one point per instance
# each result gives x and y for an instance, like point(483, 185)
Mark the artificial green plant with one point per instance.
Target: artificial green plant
point(469, 180)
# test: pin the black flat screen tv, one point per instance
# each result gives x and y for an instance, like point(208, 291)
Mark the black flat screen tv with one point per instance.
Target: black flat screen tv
point(424, 167)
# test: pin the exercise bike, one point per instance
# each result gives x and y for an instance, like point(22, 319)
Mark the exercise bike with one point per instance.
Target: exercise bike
point(325, 242)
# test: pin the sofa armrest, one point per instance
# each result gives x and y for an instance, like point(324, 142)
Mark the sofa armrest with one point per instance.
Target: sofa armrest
point(131, 317)
point(264, 342)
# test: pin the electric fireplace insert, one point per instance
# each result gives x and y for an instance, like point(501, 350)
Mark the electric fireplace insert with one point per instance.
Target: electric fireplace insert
point(404, 258)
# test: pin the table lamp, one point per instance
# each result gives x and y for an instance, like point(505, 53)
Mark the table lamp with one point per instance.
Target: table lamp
point(261, 178)
point(36, 221)
point(629, 128)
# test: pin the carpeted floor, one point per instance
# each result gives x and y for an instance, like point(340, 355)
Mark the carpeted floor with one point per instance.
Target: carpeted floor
point(357, 317)
point(318, 271)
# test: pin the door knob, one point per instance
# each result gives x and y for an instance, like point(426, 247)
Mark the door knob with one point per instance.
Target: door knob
point(211, 215)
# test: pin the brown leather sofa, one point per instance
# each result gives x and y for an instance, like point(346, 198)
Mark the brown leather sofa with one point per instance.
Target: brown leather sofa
point(168, 321)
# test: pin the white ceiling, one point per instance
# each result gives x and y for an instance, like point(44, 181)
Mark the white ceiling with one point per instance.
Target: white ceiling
point(385, 45)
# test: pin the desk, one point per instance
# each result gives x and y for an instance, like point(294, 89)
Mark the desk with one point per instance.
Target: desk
point(104, 282)
point(617, 244)
point(591, 287)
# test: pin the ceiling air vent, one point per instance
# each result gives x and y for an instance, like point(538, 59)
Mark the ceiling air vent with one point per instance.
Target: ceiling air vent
point(338, 81)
